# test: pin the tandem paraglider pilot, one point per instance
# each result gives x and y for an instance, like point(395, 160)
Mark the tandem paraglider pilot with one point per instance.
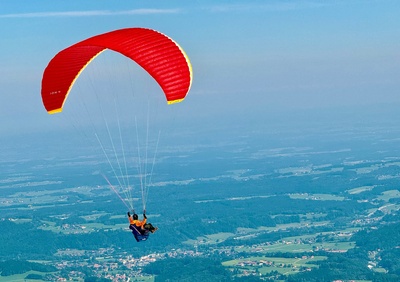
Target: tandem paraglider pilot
point(140, 228)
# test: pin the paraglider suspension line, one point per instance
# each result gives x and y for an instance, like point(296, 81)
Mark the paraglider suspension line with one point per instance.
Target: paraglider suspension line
point(115, 191)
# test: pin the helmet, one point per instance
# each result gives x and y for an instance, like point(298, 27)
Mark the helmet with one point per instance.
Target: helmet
point(135, 216)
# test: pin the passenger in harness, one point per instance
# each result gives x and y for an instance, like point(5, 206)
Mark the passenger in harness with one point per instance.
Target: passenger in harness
point(140, 228)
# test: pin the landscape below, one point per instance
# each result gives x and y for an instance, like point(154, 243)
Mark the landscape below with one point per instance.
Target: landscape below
point(321, 207)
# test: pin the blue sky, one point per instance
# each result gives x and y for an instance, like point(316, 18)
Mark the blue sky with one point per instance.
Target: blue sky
point(249, 57)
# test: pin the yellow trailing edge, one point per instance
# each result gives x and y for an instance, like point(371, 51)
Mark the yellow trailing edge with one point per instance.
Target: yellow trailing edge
point(175, 101)
point(55, 111)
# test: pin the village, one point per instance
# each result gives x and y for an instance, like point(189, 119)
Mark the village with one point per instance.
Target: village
point(107, 264)
point(76, 265)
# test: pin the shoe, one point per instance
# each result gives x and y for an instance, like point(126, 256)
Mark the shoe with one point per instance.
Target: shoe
point(154, 230)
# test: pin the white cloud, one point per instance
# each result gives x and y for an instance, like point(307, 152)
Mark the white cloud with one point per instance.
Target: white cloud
point(277, 6)
point(91, 13)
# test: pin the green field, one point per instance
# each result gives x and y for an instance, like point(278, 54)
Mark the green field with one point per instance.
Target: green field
point(21, 277)
point(80, 228)
point(210, 239)
point(291, 247)
point(390, 194)
point(265, 265)
point(361, 189)
point(316, 197)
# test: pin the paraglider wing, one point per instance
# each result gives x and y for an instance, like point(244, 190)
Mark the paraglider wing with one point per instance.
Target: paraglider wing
point(159, 55)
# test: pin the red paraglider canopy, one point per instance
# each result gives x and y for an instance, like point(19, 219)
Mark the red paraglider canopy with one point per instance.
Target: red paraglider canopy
point(159, 55)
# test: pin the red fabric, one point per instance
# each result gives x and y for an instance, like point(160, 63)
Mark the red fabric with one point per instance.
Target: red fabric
point(160, 56)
